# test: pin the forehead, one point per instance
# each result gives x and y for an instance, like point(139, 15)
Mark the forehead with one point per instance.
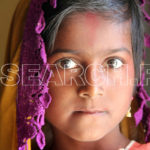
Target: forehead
point(94, 19)
point(90, 31)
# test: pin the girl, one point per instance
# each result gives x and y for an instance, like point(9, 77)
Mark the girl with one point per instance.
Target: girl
point(85, 82)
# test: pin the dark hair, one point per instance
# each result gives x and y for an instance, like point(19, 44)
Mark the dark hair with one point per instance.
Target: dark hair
point(113, 10)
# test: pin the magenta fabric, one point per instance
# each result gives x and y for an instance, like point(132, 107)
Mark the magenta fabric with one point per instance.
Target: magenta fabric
point(33, 97)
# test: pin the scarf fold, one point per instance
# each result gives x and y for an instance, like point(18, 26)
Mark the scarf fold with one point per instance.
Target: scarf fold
point(33, 97)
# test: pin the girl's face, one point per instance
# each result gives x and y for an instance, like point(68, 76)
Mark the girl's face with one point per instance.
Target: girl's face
point(92, 95)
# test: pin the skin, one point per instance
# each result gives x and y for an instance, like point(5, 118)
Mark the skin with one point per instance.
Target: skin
point(95, 39)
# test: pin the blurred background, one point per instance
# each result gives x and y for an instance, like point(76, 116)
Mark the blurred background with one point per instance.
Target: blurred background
point(7, 8)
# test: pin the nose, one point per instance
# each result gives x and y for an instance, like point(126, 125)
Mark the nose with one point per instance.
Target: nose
point(91, 92)
point(93, 88)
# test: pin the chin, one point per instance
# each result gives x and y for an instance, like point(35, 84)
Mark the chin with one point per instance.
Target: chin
point(86, 136)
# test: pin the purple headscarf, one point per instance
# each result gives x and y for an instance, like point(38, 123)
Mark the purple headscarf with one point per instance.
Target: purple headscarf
point(33, 97)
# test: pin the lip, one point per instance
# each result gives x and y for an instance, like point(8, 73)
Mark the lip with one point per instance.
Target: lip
point(90, 112)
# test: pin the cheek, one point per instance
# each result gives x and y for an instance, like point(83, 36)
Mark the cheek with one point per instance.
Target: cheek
point(61, 103)
point(55, 111)
point(120, 89)
point(119, 103)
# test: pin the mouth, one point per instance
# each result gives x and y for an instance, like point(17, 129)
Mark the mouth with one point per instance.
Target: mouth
point(88, 112)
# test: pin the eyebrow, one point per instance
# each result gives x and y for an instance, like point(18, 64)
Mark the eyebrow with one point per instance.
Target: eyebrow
point(123, 49)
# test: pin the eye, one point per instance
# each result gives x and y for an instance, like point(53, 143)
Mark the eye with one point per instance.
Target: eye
point(66, 63)
point(114, 63)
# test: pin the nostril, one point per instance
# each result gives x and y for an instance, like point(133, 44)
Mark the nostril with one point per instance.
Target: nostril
point(91, 92)
point(84, 95)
